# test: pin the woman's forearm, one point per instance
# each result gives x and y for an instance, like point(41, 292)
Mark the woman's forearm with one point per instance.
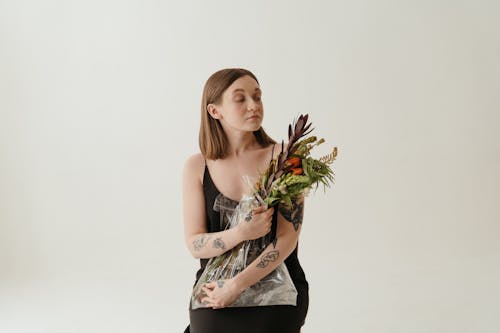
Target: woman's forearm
point(208, 245)
point(270, 258)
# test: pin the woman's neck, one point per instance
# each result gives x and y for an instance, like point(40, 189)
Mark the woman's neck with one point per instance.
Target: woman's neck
point(241, 142)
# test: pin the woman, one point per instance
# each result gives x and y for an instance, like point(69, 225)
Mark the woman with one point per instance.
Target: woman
point(233, 143)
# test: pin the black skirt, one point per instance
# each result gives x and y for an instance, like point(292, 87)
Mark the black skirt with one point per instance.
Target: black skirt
point(257, 319)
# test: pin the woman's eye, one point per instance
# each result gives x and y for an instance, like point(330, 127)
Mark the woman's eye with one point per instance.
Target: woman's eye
point(257, 98)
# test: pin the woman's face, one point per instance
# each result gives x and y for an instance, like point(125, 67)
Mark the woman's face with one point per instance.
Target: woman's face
point(241, 108)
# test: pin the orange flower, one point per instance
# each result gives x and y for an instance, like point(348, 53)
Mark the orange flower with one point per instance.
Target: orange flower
point(296, 171)
point(293, 162)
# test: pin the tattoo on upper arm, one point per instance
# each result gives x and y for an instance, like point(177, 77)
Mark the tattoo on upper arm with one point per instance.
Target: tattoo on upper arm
point(219, 244)
point(267, 258)
point(200, 242)
point(293, 214)
point(220, 283)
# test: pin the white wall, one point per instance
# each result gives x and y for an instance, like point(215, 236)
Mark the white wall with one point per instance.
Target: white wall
point(99, 107)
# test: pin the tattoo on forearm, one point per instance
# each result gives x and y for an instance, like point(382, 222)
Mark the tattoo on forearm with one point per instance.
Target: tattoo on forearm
point(293, 214)
point(220, 283)
point(219, 244)
point(267, 258)
point(200, 242)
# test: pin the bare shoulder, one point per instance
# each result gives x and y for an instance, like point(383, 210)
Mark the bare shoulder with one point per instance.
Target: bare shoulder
point(194, 166)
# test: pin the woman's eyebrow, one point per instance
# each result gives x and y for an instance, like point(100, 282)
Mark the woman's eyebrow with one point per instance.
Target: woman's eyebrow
point(239, 89)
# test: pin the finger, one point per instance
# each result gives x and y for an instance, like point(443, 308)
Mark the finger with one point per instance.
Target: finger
point(259, 209)
point(206, 290)
point(209, 302)
point(210, 285)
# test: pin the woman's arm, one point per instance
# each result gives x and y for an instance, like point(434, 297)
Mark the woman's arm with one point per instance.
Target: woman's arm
point(224, 292)
point(200, 243)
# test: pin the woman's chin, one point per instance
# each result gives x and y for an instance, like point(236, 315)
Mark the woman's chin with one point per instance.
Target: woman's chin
point(255, 125)
point(255, 128)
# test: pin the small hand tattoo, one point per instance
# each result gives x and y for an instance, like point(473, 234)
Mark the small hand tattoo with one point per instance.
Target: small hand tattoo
point(293, 214)
point(267, 258)
point(219, 244)
point(249, 216)
point(200, 242)
point(220, 283)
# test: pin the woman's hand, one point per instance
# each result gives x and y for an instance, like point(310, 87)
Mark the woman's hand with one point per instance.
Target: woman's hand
point(256, 224)
point(220, 293)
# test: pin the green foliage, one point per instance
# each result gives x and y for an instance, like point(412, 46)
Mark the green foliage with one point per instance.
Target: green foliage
point(284, 181)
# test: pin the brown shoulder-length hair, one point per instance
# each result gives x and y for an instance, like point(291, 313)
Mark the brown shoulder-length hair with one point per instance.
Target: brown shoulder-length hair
point(212, 139)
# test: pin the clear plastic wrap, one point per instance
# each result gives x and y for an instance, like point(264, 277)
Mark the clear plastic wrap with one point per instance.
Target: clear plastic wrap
point(276, 288)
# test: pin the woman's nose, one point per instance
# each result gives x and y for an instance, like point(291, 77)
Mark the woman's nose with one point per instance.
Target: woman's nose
point(252, 106)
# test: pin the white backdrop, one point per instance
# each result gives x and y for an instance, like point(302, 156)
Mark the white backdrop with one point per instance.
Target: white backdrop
point(99, 107)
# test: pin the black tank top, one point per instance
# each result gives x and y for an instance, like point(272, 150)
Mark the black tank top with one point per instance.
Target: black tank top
point(216, 222)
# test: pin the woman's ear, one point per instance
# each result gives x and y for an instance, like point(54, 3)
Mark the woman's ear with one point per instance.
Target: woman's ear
point(213, 112)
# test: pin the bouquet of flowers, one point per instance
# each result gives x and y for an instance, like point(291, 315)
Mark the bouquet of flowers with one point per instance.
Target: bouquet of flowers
point(293, 173)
